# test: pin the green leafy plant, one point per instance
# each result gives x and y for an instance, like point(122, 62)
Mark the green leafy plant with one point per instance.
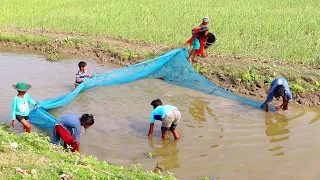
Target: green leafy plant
point(197, 67)
point(54, 57)
point(246, 76)
point(151, 155)
point(297, 88)
point(5, 126)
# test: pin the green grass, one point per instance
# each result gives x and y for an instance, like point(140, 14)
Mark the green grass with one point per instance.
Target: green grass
point(301, 80)
point(25, 39)
point(46, 161)
point(278, 30)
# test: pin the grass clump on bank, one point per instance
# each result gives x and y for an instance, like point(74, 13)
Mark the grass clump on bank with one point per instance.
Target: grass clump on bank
point(273, 30)
point(302, 80)
point(52, 47)
point(36, 158)
point(25, 39)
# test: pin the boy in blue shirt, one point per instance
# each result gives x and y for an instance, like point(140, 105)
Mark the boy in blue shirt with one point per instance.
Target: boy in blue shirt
point(279, 88)
point(20, 106)
point(68, 128)
point(169, 115)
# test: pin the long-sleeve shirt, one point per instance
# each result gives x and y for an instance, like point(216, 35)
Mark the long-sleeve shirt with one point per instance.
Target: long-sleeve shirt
point(20, 106)
point(274, 84)
point(160, 112)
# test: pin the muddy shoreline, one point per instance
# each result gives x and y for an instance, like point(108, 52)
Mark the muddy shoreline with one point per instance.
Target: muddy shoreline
point(222, 70)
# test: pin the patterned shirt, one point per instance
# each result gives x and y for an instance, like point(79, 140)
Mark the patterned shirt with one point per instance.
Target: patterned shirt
point(81, 76)
point(20, 106)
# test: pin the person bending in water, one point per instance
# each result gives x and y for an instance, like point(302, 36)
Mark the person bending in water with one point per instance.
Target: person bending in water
point(279, 88)
point(20, 106)
point(82, 73)
point(170, 117)
point(68, 128)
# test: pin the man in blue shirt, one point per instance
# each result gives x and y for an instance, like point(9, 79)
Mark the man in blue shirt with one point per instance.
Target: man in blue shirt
point(169, 115)
point(279, 88)
point(68, 128)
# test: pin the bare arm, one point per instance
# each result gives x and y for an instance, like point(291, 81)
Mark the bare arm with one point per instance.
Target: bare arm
point(267, 107)
point(13, 113)
point(78, 147)
point(151, 129)
point(285, 102)
point(184, 45)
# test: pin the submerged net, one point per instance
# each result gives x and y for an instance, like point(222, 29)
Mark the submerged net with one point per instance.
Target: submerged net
point(172, 67)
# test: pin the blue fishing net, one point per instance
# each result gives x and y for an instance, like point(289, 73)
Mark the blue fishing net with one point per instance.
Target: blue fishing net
point(172, 67)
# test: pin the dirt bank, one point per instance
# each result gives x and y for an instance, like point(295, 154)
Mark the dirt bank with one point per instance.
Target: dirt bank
point(242, 75)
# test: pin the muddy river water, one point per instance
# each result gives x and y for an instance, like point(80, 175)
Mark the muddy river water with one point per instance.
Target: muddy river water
point(220, 138)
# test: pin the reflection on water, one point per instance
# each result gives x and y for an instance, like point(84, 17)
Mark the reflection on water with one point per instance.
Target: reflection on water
point(219, 137)
point(276, 124)
point(168, 152)
point(315, 119)
point(199, 108)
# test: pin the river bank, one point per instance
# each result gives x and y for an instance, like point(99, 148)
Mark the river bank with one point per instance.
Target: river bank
point(31, 156)
point(247, 76)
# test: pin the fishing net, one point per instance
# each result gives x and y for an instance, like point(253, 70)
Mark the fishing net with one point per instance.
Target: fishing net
point(172, 67)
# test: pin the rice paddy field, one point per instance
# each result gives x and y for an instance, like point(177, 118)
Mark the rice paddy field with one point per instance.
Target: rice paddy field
point(287, 30)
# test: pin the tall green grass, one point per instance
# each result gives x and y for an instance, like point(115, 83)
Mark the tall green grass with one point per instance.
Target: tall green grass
point(278, 30)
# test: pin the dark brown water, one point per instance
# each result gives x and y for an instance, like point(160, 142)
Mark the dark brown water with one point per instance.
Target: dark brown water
point(219, 137)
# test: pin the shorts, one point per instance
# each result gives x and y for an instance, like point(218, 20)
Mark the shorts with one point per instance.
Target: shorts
point(196, 44)
point(171, 120)
point(19, 118)
point(67, 138)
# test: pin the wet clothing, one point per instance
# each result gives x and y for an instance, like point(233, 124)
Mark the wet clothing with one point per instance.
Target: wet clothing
point(169, 115)
point(67, 138)
point(80, 76)
point(171, 120)
point(19, 118)
point(68, 127)
point(274, 84)
point(160, 112)
point(20, 106)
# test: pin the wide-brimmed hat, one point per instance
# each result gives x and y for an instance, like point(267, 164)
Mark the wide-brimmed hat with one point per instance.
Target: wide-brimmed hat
point(21, 86)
